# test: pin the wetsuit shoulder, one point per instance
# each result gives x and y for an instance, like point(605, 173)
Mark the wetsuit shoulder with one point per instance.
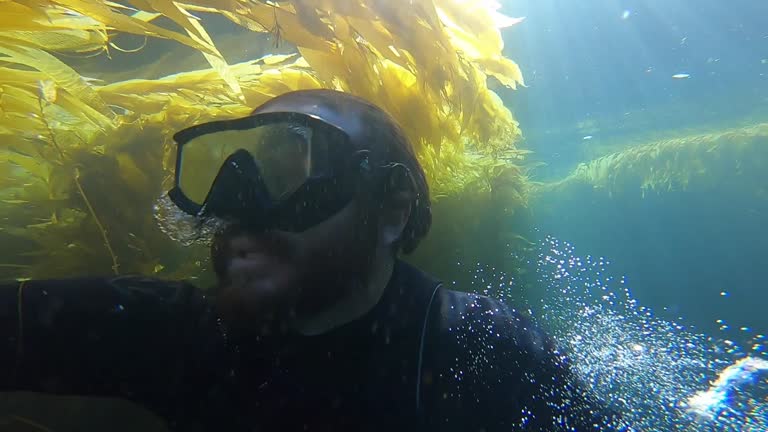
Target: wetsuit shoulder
point(494, 369)
point(493, 325)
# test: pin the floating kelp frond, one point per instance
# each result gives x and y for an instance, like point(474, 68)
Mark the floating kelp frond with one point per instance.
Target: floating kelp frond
point(63, 75)
point(56, 30)
point(700, 161)
point(444, 49)
point(179, 100)
point(176, 12)
point(102, 151)
point(371, 41)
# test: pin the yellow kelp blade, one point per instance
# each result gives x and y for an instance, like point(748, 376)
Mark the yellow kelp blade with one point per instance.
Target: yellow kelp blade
point(63, 75)
point(28, 163)
point(55, 29)
point(18, 100)
point(277, 18)
point(400, 55)
point(191, 25)
point(15, 16)
point(100, 11)
point(505, 70)
point(482, 46)
point(177, 98)
point(32, 107)
point(315, 19)
point(77, 41)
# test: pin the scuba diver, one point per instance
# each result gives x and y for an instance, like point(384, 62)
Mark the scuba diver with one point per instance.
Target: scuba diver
point(315, 322)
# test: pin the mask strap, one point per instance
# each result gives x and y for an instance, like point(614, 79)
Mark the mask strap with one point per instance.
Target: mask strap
point(421, 347)
point(373, 174)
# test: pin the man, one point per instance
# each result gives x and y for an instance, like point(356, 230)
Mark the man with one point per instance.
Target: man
point(315, 323)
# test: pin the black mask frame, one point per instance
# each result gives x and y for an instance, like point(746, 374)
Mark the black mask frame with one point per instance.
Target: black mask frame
point(238, 194)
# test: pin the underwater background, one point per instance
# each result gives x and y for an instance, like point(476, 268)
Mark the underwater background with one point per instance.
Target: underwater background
point(605, 83)
point(616, 183)
point(650, 216)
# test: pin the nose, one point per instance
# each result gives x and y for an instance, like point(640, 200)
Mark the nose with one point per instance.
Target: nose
point(230, 244)
point(240, 246)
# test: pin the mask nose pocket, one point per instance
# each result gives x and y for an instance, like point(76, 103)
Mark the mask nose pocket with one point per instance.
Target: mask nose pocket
point(238, 190)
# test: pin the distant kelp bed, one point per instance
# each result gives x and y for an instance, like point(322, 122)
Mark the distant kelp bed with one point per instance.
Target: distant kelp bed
point(83, 160)
point(736, 156)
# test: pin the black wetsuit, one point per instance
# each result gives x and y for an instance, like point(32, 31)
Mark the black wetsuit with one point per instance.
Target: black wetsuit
point(481, 366)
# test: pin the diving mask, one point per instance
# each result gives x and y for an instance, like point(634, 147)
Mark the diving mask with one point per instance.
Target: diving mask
point(279, 170)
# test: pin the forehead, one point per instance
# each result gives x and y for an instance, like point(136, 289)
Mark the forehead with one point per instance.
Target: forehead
point(337, 111)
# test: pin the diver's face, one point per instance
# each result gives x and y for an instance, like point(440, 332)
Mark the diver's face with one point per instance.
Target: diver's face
point(277, 275)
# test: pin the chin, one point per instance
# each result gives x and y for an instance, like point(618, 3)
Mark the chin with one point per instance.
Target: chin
point(254, 289)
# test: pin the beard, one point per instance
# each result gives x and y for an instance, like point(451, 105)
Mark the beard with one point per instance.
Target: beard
point(260, 276)
point(267, 278)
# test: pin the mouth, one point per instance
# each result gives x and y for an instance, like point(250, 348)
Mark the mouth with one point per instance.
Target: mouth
point(242, 254)
point(257, 254)
point(251, 267)
point(248, 250)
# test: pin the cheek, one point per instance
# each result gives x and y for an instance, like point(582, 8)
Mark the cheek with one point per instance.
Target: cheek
point(343, 237)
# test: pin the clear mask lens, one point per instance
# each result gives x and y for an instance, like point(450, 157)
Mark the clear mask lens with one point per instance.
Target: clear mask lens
point(284, 153)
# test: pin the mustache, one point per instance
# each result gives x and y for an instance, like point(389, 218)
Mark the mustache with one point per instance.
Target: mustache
point(236, 240)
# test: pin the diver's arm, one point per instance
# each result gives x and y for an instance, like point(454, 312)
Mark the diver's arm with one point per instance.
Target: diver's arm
point(499, 372)
point(128, 337)
point(548, 389)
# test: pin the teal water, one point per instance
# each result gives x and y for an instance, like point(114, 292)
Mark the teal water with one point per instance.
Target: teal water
point(604, 69)
point(660, 374)
point(655, 295)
